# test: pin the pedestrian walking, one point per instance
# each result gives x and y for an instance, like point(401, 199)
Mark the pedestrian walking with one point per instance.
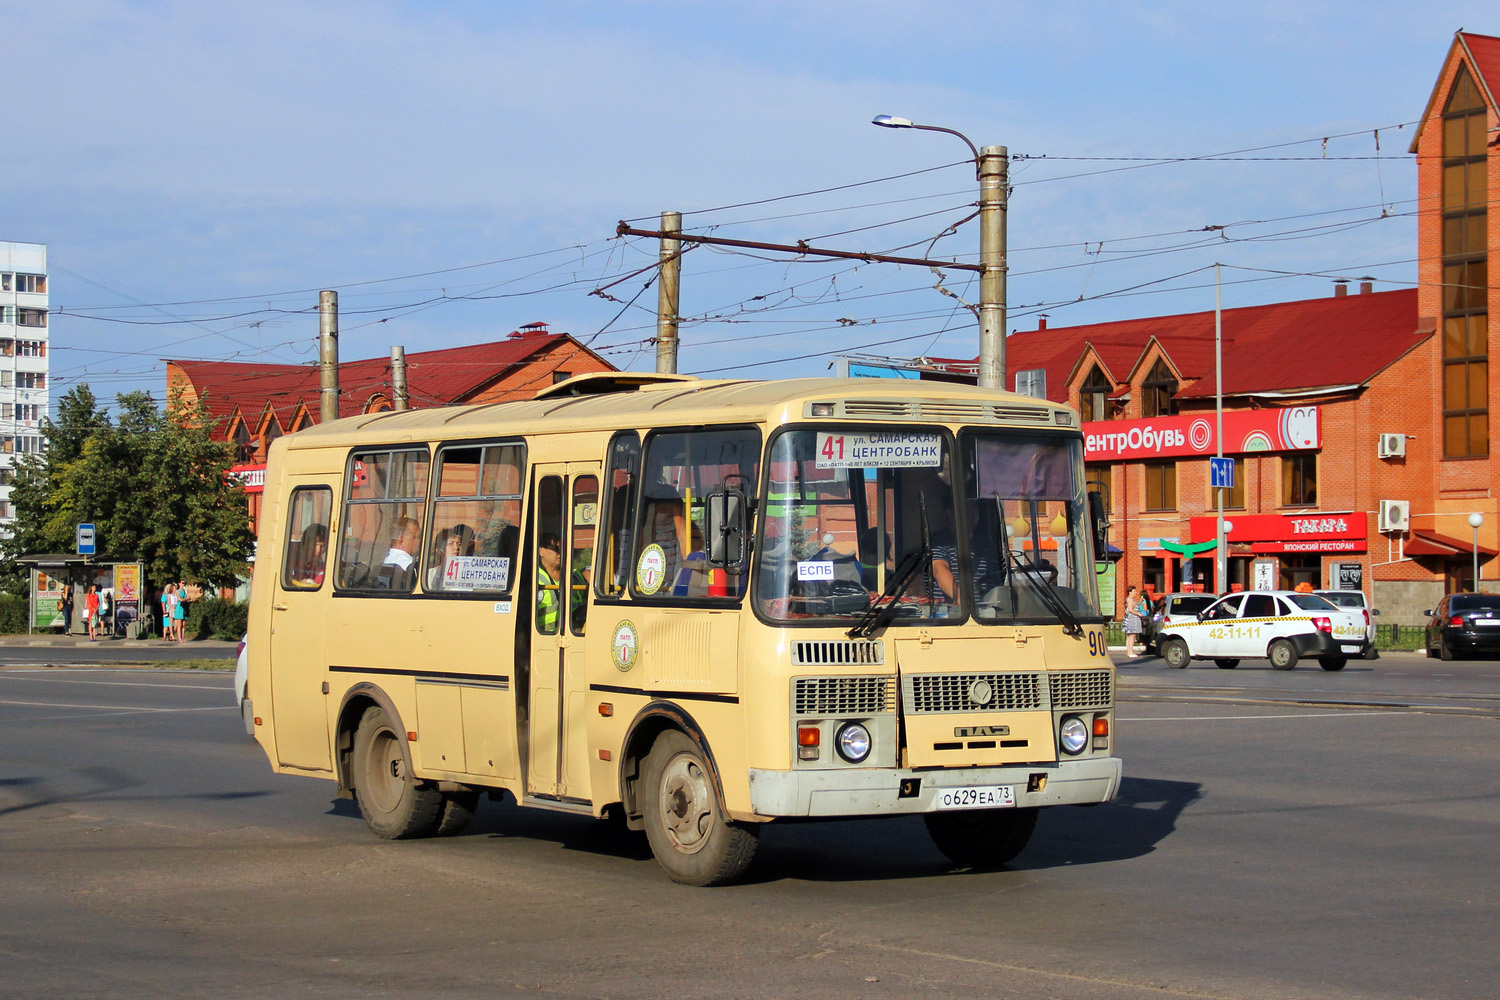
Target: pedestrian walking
point(1135, 611)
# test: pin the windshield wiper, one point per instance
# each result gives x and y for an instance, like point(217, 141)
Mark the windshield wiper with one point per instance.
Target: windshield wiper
point(879, 615)
point(1047, 592)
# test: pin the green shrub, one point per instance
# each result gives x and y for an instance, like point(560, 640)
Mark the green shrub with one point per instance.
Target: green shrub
point(13, 611)
point(212, 618)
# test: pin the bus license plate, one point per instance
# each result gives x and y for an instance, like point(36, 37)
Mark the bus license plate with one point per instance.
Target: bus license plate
point(1350, 649)
point(977, 797)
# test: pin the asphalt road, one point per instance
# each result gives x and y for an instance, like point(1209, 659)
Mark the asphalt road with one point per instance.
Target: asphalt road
point(1278, 835)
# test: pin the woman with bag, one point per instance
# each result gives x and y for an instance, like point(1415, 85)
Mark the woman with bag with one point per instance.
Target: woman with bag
point(1135, 611)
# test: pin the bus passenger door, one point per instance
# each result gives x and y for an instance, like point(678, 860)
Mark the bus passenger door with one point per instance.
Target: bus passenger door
point(566, 502)
point(298, 706)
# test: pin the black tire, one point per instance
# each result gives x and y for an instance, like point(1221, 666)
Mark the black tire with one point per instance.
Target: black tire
point(394, 804)
point(981, 838)
point(1332, 663)
point(1282, 654)
point(1445, 651)
point(1226, 663)
point(457, 813)
point(685, 824)
point(1175, 652)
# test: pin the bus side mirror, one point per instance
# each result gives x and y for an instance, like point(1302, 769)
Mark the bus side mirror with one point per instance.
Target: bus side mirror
point(725, 526)
point(1099, 521)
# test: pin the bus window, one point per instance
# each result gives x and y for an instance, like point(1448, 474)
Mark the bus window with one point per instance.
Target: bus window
point(549, 574)
point(581, 548)
point(382, 538)
point(307, 538)
point(475, 514)
point(852, 515)
point(622, 475)
point(679, 468)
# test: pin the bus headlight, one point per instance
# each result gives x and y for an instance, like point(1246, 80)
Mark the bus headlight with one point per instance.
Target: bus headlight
point(853, 742)
point(1073, 735)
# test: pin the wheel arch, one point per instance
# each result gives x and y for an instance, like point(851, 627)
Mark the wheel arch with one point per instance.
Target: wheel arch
point(356, 700)
point(649, 723)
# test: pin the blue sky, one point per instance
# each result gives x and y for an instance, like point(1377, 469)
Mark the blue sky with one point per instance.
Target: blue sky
point(457, 169)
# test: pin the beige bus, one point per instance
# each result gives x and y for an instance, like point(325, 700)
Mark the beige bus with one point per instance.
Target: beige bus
point(700, 606)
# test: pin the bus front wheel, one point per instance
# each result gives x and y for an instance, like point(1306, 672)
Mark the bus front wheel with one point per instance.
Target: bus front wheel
point(685, 824)
point(394, 804)
point(981, 838)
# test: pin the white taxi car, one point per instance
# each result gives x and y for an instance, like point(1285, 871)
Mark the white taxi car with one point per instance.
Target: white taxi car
point(1279, 625)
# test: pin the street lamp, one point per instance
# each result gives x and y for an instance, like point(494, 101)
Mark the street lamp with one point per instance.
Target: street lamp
point(1475, 520)
point(991, 166)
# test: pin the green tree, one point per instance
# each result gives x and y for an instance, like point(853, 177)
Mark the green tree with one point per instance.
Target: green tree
point(153, 483)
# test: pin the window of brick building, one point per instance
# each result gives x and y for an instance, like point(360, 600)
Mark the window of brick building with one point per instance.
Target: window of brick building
point(1465, 273)
point(1299, 480)
point(1093, 395)
point(1159, 392)
point(1161, 485)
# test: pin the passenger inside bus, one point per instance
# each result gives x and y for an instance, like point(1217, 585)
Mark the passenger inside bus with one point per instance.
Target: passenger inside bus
point(447, 545)
point(311, 556)
point(398, 571)
point(548, 567)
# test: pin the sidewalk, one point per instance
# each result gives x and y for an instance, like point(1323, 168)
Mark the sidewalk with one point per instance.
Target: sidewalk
point(53, 640)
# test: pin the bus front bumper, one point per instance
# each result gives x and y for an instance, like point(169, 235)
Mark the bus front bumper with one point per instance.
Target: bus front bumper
point(848, 792)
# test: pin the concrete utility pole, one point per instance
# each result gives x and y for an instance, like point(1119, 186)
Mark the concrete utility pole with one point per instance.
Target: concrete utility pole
point(328, 356)
point(398, 377)
point(994, 170)
point(667, 292)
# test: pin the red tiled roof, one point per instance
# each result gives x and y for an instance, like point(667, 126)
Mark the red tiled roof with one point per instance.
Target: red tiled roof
point(1283, 347)
point(432, 378)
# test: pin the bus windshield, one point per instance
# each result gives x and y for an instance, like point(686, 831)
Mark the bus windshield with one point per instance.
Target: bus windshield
point(849, 511)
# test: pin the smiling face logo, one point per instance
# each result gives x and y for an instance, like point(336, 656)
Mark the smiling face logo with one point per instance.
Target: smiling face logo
point(1299, 427)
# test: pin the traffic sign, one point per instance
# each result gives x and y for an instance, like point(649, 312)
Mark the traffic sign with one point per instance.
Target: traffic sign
point(85, 539)
point(1221, 473)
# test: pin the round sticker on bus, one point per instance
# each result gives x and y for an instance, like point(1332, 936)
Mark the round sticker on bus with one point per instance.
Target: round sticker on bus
point(623, 645)
point(651, 569)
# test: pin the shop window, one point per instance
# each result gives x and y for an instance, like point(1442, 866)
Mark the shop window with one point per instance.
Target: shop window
point(1159, 392)
point(1300, 569)
point(1299, 480)
point(1161, 485)
point(1093, 395)
point(1154, 575)
point(1465, 273)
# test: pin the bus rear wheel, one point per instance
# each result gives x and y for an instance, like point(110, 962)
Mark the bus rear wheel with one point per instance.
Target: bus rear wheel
point(685, 824)
point(981, 838)
point(394, 804)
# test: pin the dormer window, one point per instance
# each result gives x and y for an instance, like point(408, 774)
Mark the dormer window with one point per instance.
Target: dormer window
point(1159, 392)
point(1093, 395)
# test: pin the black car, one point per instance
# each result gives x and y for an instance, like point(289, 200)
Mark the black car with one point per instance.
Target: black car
point(1464, 624)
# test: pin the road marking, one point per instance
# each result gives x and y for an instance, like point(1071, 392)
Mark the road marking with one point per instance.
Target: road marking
point(1252, 718)
point(58, 680)
point(116, 710)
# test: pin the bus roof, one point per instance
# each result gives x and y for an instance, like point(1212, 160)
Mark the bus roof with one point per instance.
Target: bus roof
point(644, 401)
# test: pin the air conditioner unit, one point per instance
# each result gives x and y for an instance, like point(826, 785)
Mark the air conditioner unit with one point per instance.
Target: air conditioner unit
point(1392, 446)
point(1395, 515)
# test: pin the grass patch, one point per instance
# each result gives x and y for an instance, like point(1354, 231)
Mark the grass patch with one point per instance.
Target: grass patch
point(221, 666)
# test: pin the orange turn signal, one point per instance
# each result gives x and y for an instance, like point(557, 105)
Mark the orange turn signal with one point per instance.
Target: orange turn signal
point(606, 709)
point(1101, 725)
point(411, 736)
point(809, 736)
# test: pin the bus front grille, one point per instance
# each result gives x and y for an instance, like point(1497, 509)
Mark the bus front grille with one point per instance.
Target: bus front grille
point(931, 693)
point(844, 695)
point(838, 653)
point(1082, 689)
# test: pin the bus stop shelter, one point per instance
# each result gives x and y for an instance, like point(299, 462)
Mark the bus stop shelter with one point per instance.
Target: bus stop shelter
point(50, 572)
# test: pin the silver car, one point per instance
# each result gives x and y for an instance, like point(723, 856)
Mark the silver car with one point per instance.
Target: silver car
point(1355, 600)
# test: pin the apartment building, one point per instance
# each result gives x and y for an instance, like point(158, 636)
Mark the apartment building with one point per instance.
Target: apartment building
point(24, 375)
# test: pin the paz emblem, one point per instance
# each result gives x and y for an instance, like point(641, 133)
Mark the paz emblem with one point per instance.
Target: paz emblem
point(980, 692)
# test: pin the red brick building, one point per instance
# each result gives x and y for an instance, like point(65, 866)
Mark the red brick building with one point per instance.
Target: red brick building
point(254, 404)
point(1357, 424)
